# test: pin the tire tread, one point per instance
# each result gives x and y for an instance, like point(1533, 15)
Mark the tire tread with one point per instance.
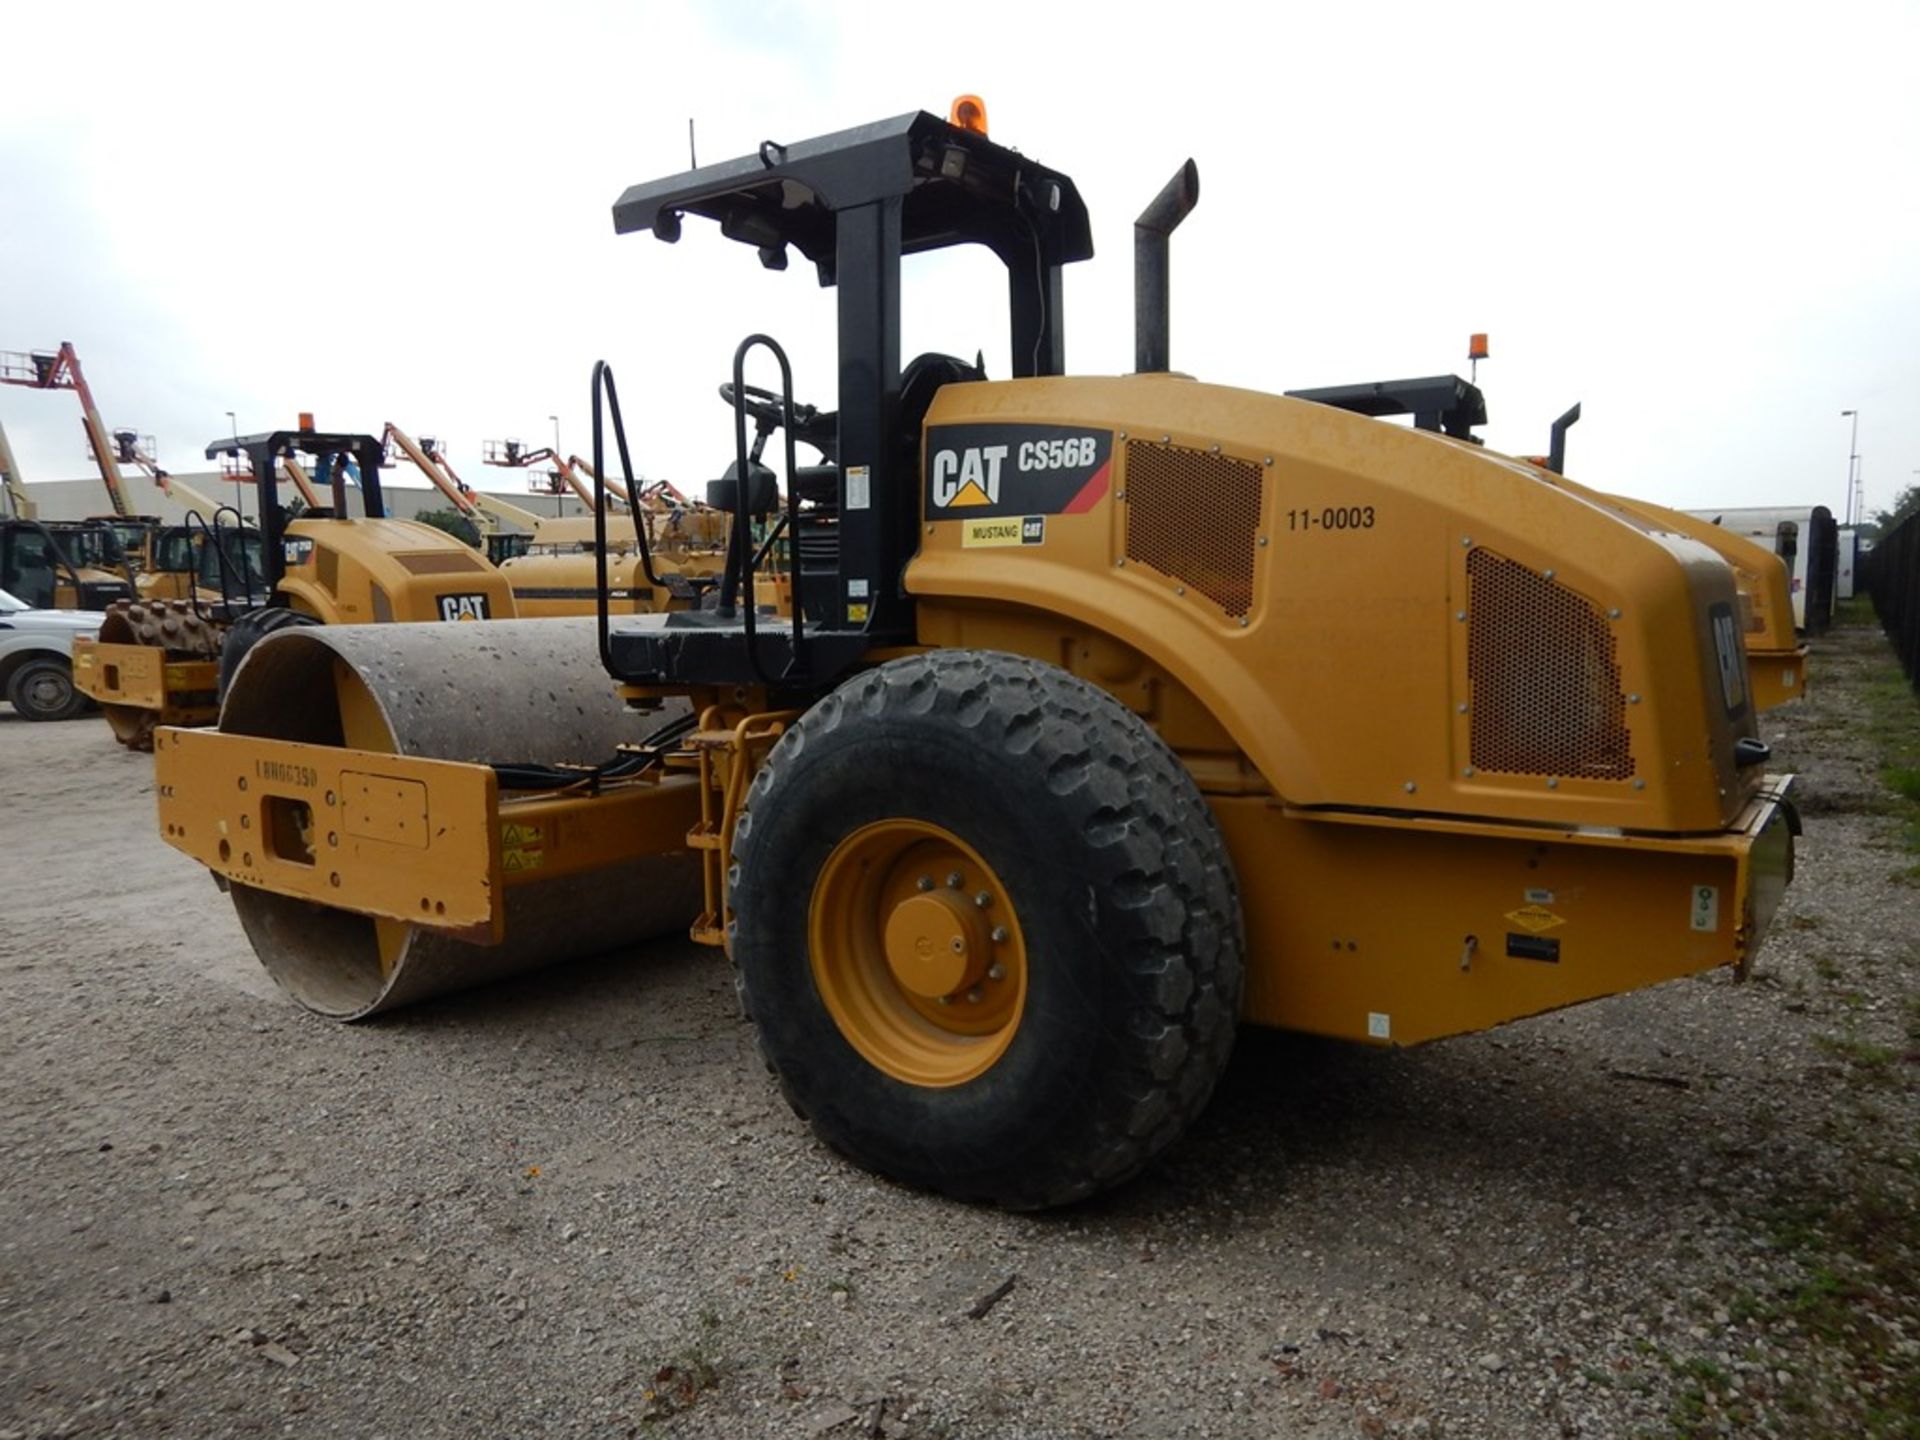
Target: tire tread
point(1130, 801)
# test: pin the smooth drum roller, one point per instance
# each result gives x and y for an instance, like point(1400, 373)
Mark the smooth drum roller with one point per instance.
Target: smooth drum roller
point(411, 690)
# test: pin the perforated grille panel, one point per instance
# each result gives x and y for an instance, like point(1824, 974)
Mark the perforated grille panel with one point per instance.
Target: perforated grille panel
point(1195, 516)
point(1543, 675)
point(439, 562)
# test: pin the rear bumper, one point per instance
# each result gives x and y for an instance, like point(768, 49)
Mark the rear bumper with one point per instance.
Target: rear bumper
point(1776, 676)
point(1403, 929)
point(1771, 823)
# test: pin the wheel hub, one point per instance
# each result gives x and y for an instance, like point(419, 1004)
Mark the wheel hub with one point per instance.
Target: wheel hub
point(917, 952)
point(937, 944)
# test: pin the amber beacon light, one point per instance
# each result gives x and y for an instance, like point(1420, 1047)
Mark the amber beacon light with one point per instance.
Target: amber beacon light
point(969, 112)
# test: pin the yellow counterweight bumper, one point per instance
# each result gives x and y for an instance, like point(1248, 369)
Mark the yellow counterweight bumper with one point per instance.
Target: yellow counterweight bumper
point(432, 843)
point(1401, 930)
point(141, 677)
point(1776, 676)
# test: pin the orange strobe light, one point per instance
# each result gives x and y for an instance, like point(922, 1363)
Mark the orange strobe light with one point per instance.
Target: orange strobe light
point(969, 112)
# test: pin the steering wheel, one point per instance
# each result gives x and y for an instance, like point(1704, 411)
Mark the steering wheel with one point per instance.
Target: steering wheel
point(767, 407)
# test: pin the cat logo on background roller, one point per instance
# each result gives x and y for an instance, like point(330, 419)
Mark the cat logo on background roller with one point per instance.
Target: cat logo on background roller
point(464, 607)
point(980, 472)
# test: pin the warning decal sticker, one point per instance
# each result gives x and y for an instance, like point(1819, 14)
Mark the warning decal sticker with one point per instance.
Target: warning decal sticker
point(522, 847)
point(1536, 918)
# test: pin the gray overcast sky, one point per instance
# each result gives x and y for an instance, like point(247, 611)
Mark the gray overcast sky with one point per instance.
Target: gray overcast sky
point(1699, 220)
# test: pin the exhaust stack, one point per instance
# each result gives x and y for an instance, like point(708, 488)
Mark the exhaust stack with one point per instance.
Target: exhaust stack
point(1557, 446)
point(1150, 267)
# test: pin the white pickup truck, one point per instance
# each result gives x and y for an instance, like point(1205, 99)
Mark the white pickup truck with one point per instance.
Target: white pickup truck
point(36, 658)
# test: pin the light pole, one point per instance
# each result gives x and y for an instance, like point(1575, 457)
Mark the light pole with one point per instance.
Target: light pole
point(1853, 458)
point(239, 495)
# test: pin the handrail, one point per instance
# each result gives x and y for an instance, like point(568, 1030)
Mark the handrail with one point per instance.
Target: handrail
point(742, 554)
point(603, 384)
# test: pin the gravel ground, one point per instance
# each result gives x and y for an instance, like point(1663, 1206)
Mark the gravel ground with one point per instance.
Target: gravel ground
point(574, 1205)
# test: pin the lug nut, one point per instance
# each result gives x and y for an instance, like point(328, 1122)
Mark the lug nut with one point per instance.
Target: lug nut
point(955, 880)
point(983, 900)
point(925, 882)
point(999, 938)
point(997, 972)
point(973, 996)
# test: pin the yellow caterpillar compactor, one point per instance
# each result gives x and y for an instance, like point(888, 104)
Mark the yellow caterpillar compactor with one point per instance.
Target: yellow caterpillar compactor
point(168, 663)
point(1776, 659)
point(1110, 712)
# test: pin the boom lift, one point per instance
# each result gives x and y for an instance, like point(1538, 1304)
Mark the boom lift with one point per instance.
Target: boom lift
point(481, 510)
point(60, 370)
point(65, 564)
point(1110, 711)
point(563, 478)
point(19, 507)
point(560, 574)
point(110, 449)
point(614, 487)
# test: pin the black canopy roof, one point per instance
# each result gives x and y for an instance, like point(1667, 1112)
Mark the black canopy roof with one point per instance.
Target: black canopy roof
point(956, 187)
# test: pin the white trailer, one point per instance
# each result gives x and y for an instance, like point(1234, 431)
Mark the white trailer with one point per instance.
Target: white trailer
point(1805, 537)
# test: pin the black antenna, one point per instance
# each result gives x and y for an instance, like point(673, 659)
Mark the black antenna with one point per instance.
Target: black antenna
point(693, 160)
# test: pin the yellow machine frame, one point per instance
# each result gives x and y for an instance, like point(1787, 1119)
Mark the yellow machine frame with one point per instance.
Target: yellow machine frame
point(1422, 897)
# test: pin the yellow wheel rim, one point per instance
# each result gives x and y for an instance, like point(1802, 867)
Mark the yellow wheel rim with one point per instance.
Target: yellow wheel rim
point(917, 952)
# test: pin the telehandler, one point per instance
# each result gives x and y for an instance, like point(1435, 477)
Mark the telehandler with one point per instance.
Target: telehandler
point(1111, 712)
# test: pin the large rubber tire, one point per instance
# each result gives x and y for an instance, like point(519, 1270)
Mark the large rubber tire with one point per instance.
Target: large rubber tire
point(249, 630)
point(43, 689)
point(1124, 893)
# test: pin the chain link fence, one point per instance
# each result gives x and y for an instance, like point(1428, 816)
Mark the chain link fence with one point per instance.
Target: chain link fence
point(1893, 579)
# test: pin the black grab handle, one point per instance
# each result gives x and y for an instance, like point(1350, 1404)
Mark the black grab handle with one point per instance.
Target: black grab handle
point(603, 385)
point(742, 554)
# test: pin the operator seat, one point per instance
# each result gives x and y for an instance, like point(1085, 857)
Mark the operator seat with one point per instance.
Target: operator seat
point(920, 381)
